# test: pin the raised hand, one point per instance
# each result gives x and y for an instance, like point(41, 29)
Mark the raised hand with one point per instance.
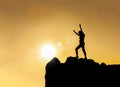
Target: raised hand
point(80, 27)
point(73, 30)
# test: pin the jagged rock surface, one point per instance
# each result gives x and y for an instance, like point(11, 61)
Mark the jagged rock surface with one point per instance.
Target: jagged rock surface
point(80, 73)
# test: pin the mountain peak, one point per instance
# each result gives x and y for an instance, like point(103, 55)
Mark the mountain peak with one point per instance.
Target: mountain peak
point(80, 72)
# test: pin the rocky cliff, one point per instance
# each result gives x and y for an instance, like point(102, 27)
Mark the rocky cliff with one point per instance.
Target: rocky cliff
point(81, 73)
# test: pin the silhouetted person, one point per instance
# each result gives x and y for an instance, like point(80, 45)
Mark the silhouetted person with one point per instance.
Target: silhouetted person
point(81, 42)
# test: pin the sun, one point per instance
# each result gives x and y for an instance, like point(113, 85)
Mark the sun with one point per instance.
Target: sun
point(48, 51)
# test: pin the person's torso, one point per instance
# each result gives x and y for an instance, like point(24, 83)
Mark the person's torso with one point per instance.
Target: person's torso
point(82, 37)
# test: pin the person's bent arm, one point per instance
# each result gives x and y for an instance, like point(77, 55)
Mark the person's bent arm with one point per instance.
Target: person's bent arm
point(76, 32)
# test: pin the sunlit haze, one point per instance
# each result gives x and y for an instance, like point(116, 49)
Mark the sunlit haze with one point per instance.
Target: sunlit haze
point(48, 51)
point(26, 26)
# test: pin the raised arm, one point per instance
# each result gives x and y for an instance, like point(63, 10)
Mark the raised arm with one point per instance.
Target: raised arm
point(76, 32)
point(80, 27)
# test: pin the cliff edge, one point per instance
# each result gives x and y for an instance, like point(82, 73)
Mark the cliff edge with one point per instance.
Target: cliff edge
point(80, 73)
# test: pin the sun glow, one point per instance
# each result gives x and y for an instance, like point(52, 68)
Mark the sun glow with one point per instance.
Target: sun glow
point(48, 51)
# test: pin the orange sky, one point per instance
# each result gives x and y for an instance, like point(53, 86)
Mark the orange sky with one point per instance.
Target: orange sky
point(26, 25)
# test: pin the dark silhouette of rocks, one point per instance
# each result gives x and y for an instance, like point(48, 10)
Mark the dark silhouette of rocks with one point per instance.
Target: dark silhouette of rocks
point(81, 73)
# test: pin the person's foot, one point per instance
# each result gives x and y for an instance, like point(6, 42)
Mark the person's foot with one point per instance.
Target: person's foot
point(77, 57)
point(85, 58)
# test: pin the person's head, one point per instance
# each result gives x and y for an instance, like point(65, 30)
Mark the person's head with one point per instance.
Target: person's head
point(80, 32)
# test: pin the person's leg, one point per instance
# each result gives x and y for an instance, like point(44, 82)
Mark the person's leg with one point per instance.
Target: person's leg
point(83, 49)
point(76, 50)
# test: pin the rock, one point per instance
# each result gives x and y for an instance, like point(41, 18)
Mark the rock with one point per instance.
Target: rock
point(80, 73)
